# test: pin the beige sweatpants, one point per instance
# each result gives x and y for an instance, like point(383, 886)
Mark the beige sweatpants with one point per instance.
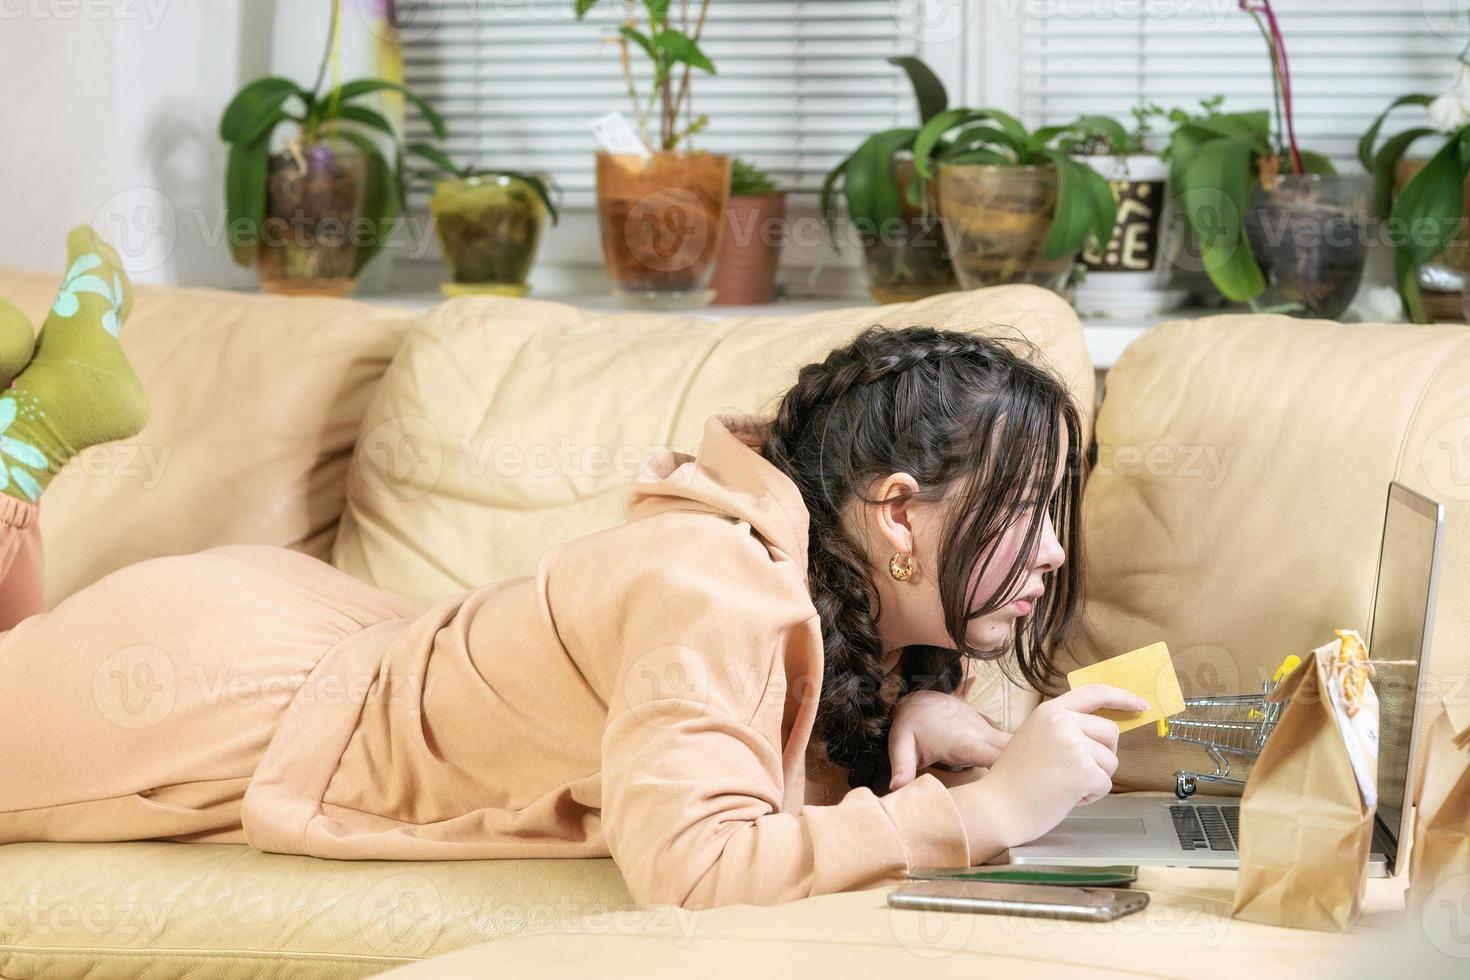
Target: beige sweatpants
point(139, 707)
point(20, 561)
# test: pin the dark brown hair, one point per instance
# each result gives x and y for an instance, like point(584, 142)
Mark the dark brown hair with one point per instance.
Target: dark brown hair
point(954, 410)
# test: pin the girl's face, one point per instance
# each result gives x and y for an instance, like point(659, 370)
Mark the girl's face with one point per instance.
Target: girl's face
point(912, 612)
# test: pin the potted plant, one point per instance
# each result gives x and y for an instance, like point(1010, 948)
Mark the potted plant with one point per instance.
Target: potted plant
point(1426, 219)
point(1129, 275)
point(904, 252)
point(1014, 206)
point(310, 215)
point(488, 222)
point(662, 211)
point(1276, 226)
point(750, 248)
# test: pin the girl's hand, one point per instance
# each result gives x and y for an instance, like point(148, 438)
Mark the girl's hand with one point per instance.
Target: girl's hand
point(1062, 756)
point(931, 727)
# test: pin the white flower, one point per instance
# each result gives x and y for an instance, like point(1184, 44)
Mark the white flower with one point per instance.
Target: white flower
point(1452, 110)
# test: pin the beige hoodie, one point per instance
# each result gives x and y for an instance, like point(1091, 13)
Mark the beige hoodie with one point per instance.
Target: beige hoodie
point(648, 693)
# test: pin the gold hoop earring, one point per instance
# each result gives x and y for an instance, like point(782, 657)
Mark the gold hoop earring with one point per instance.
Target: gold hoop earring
point(901, 566)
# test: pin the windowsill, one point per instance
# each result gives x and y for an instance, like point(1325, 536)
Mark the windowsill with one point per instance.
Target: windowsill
point(1106, 337)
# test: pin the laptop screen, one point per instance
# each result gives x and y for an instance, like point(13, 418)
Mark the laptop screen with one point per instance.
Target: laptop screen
point(1398, 627)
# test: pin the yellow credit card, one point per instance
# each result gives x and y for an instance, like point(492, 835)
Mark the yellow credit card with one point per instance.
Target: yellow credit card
point(1147, 672)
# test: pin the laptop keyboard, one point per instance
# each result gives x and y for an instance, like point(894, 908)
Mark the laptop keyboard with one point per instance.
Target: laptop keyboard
point(1207, 826)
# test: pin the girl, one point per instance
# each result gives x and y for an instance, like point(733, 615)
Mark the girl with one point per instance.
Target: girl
point(751, 691)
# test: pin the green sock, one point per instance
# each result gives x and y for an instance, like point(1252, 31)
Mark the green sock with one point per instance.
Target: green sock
point(78, 389)
point(17, 341)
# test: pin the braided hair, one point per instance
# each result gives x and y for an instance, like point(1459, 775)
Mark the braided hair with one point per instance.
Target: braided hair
point(954, 410)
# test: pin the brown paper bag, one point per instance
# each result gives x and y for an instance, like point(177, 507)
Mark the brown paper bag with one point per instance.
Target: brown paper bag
point(1439, 861)
point(1306, 816)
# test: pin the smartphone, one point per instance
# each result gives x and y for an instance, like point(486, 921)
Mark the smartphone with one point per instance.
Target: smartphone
point(1003, 898)
point(1105, 876)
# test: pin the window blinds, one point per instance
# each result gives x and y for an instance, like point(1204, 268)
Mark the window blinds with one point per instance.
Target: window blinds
point(799, 84)
point(1348, 60)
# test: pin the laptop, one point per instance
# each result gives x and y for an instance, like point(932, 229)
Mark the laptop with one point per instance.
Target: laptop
point(1201, 831)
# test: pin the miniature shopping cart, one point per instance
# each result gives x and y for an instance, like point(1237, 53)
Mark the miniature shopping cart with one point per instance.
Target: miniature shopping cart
point(1234, 725)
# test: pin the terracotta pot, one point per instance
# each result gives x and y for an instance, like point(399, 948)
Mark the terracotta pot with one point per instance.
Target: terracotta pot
point(750, 250)
point(307, 244)
point(910, 260)
point(662, 217)
point(996, 220)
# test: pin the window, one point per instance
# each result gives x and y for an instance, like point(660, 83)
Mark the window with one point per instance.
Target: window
point(1348, 59)
point(800, 84)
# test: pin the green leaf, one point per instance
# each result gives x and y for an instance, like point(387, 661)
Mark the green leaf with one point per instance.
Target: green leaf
point(825, 202)
point(1106, 127)
point(1424, 218)
point(1313, 163)
point(542, 191)
point(1366, 152)
point(989, 157)
point(1216, 190)
point(929, 135)
point(1184, 143)
point(367, 86)
point(1085, 206)
point(680, 48)
point(245, 188)
point(639, 38)
point(1406, 273)
point(583, 6)
point(1041, 137)
point(256, 109)
point(1010, 124)
point(437, 157)
point(1386, 163)
point(1237, 124)
point(367, 117)
point(928, 89)
point(380, 198)
point(977, 136)
point(658, 11)
point(869, 185)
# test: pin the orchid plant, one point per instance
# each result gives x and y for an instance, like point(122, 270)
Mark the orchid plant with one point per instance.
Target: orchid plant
point(258, 109)
point(667, 46)
point(1431, 205)
point(1217, 159)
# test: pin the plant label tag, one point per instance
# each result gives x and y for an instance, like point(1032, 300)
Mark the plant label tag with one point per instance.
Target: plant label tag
point(616, 135)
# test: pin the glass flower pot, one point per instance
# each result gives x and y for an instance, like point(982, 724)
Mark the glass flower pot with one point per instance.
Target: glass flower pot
point(909, 260)
point(308, 244)
point(489, 227)
point(996, 219)
point(1309, 234)
point(662, 217)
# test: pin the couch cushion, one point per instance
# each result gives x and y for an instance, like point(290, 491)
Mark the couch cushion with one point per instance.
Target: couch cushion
point(1236, 506)
point(255, 403)
point(1185, 931)
point(505, 426)
point(201, 911)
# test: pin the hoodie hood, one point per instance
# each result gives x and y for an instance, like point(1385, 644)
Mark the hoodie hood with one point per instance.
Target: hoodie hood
point(726, 476)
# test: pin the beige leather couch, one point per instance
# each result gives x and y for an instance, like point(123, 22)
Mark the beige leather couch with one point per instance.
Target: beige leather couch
point(1234, 512)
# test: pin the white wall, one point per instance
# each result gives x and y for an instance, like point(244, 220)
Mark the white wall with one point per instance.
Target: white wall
point(109, 102)
point(56, 76)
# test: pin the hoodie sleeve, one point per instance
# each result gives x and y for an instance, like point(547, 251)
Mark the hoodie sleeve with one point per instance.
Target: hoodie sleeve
point(715, 691)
